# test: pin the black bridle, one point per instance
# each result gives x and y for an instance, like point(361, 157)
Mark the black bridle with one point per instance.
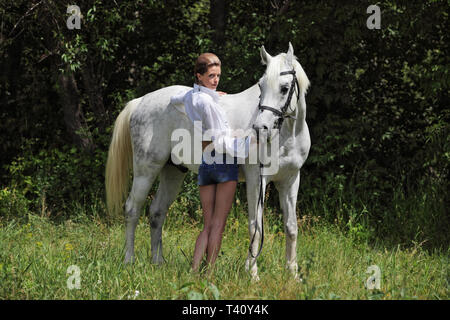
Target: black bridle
point(281, 116)
point(282, 112)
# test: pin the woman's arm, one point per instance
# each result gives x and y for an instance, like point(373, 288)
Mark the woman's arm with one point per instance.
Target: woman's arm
point(234, 142)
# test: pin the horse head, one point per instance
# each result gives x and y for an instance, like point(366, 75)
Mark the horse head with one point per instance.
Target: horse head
point(281, 86)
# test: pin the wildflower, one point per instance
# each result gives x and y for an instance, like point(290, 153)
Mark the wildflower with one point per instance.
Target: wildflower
point(39, 244)
point(68, 247)
point(136, 294)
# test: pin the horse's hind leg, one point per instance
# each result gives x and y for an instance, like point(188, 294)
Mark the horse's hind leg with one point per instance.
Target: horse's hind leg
point(170, 183)
point(142, 181)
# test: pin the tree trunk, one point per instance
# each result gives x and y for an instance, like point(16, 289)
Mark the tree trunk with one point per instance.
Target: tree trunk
point(281, 7)
point(73, 115)
point(94, 93)
point(218, 19)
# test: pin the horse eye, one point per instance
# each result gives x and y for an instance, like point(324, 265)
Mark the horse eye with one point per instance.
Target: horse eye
point(284, 90)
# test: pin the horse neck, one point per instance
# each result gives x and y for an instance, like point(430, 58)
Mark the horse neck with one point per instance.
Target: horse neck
point(293, 127)
point(301, 114)
point(246, 100)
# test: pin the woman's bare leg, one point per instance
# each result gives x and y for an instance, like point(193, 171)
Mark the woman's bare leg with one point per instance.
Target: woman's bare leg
point(223, 202)
point(207, 199)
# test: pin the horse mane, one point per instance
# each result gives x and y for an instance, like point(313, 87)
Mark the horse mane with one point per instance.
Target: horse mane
point(278, 64)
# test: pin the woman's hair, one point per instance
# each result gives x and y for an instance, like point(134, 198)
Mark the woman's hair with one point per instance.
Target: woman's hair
point(204, 61)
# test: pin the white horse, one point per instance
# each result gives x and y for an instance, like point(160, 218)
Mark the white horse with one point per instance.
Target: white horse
point(141, 141)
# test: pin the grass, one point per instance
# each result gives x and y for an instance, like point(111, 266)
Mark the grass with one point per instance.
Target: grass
point(35, 256)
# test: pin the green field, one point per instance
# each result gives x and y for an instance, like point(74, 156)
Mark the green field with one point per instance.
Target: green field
point(36, 254)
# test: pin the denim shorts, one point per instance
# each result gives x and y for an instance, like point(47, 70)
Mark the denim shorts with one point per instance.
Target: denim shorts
point(217, 172)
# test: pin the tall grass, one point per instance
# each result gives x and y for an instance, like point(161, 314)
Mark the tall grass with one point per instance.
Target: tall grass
point(404, 215)
point(35, 256)
point(342, 231)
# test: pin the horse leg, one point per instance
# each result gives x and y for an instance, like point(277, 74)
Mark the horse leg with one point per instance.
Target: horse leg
point(255, 213)
point(142, 181)
point(287, 191)
point(170, 181)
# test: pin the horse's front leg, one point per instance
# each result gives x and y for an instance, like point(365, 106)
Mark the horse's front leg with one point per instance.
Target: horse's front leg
point(255, 223)
point(288, 191)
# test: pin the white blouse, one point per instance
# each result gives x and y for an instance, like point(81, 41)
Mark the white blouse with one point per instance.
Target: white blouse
point(202, 107)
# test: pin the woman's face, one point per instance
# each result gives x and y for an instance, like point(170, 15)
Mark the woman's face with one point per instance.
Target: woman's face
point(210, 78)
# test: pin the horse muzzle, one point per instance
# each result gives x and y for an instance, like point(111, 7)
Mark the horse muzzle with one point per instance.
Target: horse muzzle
point(262, 133)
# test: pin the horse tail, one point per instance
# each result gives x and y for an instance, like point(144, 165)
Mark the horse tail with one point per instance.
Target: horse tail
point(120, 161)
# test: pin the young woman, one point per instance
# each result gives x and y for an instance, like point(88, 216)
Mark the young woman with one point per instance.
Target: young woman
point(217, 180)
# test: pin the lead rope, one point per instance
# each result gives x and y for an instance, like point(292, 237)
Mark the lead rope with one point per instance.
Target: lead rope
point(260, 201)
point(294, 86)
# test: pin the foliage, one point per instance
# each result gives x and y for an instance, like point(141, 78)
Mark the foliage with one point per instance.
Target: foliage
point(13, 204)
point(53, 180)
point(377, 108)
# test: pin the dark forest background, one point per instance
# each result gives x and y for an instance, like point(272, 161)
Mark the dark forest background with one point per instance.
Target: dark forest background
point(378, 106)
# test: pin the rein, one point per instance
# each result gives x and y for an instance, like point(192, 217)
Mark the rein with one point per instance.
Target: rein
point(281, 116)
point(260, 202)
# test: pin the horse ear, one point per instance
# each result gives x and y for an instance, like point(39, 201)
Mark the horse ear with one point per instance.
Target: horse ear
point(290, 54)
point(265, 57)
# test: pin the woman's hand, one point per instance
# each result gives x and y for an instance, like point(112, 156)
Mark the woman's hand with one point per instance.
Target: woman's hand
point(221, 93)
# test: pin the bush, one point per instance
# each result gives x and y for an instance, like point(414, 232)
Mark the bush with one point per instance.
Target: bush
point(13, 204)
point(53, 180)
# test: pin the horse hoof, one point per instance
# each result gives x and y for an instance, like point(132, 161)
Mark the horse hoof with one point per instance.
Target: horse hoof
point(298, 279)
point(128, 260)
point(158, 262)
point(255, 278)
